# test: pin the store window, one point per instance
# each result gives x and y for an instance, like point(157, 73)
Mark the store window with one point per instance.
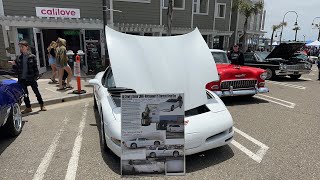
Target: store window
point(177, 4)
point(27, 35)
point(221, 10)
point(201, 6)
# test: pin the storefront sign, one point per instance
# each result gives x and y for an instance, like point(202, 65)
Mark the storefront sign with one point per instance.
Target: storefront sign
point(57, 12)
point(152, 134)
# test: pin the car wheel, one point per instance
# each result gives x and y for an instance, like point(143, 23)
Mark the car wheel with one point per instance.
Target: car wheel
point(95, 103)
point(172, 107)
point(270, 74)
point(103, 137)
point(133, 145)
point(175, 154)
point(295, 76)
point(156, 143)
point(153, 155)
point(14, 122)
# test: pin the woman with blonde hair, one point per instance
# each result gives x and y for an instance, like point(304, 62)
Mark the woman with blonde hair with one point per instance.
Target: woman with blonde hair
point(52, 60)
point(62, 63)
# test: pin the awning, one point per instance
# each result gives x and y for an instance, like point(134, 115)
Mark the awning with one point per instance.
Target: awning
point(54, 23)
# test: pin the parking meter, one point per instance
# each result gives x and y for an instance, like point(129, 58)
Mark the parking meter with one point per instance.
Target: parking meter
point(70, 55)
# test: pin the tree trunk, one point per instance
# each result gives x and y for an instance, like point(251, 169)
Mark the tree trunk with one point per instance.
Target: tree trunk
point(319, 35)
point(169, 17)
point(271, 40)
point(244, 39)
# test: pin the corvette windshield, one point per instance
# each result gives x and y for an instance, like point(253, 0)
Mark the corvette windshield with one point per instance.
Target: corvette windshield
point(220, 57)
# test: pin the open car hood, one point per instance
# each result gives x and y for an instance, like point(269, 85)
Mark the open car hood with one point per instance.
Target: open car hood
point(176, 64)
point(285, 50)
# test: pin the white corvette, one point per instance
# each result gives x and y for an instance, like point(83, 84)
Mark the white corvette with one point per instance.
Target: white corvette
point(148, 66)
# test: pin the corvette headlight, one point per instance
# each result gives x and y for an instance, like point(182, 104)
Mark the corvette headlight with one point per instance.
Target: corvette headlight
point(116, 141)
point(263, 76)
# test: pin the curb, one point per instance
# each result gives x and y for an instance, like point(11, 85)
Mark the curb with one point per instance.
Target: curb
point(60, 100)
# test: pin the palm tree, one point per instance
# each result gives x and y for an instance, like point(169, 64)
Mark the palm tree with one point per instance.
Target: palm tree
point(247, 9)
point(297, 28)
point(274, 29)
point(169, 17)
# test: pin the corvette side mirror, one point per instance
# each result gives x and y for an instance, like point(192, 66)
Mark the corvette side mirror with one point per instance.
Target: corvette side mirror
point(94, 82)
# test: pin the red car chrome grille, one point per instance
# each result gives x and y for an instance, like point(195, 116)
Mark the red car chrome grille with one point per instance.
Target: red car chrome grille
point(238, 84)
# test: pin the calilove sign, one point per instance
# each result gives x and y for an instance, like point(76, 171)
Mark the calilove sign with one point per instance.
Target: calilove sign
point(57, 12)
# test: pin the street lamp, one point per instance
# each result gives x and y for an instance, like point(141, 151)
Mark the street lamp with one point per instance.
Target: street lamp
point(315, 25)
point(295, 24)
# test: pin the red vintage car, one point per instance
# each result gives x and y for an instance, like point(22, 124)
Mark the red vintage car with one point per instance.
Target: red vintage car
point(236, 80)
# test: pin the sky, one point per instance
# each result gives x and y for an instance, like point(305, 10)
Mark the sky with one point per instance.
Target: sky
point(307, 10)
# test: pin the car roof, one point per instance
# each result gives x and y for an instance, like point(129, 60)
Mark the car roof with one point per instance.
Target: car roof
point(217, 50)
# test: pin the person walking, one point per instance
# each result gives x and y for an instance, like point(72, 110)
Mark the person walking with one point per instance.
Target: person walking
point(52, 60)
point(27, 70)
point(62, 64)
point(235, 56)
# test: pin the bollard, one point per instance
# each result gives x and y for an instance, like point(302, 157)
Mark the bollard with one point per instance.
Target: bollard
point(77, 73)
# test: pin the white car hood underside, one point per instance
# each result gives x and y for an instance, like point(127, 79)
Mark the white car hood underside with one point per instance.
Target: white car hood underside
point(177, 64)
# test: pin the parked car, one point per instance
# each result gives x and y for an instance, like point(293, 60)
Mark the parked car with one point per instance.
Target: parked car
point(208, 121)
point(280, 62)
point(141, 142)
point(11, 94)
point(175, 128)
point(236, 80)
point(143, 166)
point(163, 151)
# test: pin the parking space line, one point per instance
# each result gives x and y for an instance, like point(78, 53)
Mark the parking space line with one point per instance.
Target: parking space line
point(258, 156)
point(49, 154)
point(286, 84)
point(276, 101)
point(74, 160)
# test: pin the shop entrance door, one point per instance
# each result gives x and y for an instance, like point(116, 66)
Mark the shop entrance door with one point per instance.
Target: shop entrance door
point(39, 50)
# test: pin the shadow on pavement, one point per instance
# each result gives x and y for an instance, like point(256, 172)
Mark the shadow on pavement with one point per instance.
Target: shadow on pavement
point(6, 140)
point(242, 100)
point(208, 158)
point(112, 160)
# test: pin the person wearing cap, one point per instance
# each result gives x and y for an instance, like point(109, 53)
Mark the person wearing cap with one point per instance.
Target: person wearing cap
point(235, 56)
point(27, 70)
point(62, 64)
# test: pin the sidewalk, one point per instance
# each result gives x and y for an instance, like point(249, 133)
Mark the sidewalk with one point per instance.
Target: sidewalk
point(49, 92)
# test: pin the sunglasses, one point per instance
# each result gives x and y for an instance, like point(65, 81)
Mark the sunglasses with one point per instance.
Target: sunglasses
point(235, 46)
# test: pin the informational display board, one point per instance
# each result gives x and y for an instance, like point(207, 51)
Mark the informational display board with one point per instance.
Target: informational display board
point(152, 134)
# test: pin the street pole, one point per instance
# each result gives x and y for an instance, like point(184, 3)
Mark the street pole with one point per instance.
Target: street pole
point(296, 23)
point(295, 37)
point(317, 27)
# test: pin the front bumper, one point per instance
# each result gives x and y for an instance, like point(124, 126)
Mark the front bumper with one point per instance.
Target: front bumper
point(232, 92)
point(291, 72)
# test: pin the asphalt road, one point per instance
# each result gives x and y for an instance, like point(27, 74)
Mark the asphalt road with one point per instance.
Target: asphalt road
point(276, 137)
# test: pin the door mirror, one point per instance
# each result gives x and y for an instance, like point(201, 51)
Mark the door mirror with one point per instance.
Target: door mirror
point(94, 82)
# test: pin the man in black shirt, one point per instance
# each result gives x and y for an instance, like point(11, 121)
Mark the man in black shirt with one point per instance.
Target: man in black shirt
point(235, 56)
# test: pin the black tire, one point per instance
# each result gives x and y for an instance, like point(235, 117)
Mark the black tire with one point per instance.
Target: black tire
point(133, 146)
point(103, 138)
point(95, 103)
point(14, 122)
point(270, 74)
point(175, 154)
point(172, 107)
point(153, 155)
point(295, 77)
point(156, 143)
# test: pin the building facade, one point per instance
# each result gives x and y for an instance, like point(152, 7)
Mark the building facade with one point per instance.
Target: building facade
point(149, 18)
point(39, 22)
